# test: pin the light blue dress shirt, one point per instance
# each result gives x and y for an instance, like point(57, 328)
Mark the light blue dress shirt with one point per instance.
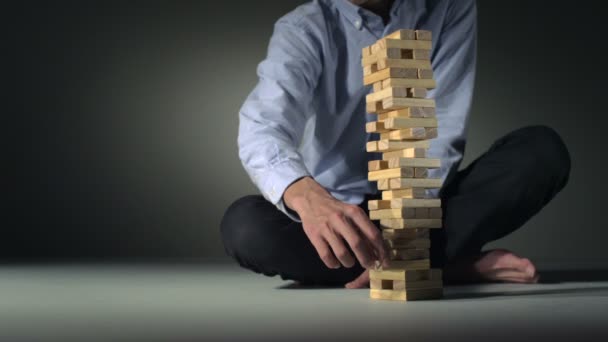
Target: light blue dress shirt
point(306, 116)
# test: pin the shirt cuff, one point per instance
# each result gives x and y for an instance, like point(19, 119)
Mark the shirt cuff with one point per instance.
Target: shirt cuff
point(277, 180)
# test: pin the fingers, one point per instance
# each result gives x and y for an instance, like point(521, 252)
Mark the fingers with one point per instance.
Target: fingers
point(325, 253)
point(369, 230)
point(339, 249)
point(358, 244)
point(362, 281)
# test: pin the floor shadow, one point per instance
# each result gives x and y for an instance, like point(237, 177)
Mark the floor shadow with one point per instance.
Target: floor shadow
point(534, 292)
point(299, 286)
point(556, 277)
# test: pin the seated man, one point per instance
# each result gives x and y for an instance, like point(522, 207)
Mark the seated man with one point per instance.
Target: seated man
point(302, 141)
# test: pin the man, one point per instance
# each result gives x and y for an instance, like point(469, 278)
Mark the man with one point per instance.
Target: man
point(302, 141)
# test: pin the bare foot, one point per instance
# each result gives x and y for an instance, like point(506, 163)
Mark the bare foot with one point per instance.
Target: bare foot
point(497, 265)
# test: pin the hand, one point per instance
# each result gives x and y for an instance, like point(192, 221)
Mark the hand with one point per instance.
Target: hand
point(362, 281)
point(328, 223)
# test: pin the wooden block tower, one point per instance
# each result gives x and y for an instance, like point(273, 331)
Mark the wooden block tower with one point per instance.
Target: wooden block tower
point(399, 68)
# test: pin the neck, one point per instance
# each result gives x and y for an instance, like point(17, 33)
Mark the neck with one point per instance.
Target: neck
point(381, 7)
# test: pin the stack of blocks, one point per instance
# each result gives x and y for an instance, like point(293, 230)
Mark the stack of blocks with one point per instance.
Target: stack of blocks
point(399, 68)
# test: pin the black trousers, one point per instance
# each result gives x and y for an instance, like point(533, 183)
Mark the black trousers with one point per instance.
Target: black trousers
point(491, 198)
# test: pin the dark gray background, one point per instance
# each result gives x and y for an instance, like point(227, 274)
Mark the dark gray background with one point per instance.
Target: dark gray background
point(126, 122)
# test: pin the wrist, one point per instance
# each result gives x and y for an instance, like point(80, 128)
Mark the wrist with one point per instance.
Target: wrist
point(296, 193)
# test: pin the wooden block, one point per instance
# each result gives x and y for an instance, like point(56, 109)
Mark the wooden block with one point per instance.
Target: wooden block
point(383, 63)
point(391, 103)
point(435, 213)
point(383, 184)
point(424, 284)
point(403, 183)
point(378, 204)
point(414, 193)
point(413, 162)
point(421, 54)
point(389, 145)
point(387, 284)
point(388, 43)
point(423, 35)
point(388, 92)
point(409, 254)
point(371, 146)
point(410, 112)
point(400, 172)
point(373, 107)
point(399, 123)
point(375, 165)
point(391, 73)
point(377, 86)
point(425, 74)
point(421, 172)
point(421, 264)
point(407, 275)
point(414, 133)
point(405, 234)
point(417, 93)
point(415, 202)
point(366, 51)
point(408, 83)
point(369, 69)
point(392, 213)
point(410, 223)
point(403, 34)
point(421, 213)
point(405, 153)
point(375, 127)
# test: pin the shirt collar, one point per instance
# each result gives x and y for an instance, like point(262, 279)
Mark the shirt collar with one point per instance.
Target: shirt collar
point(357, 15)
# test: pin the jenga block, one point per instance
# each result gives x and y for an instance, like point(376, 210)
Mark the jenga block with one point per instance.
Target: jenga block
point(375, 165)
point(409, 134)
point(400, 285)
point(388, 92)
point(366, 51)
point(409, 295)
point(392, 213)
point(410, 223)
point(375, 127)
point(383, 63)
point(409, 254)
point(391, 73)
point(406, 172)
point(421, 264)
point(404, 35)
point(408, 83)
point(377, 86)
point(417, 93)
point(421, 172)
point(391, 103)
point(435, 213)
point(372, 146)
point(405, 153)
point(388, 43)
point(423, 35)
point(421, 213)
point(399, 123)
point(368, 70)
point(389, 145)
point(425, 74)
point(417, 193)
point(378, 204)
point(403, 183)
point(413, 162)
point(405, 234)
point(383, 184)
point(415, 202)
point(421, 54)
point(410, 112)
point(407, 275)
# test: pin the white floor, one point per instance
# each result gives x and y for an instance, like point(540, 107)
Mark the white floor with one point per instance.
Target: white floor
point(220, 301)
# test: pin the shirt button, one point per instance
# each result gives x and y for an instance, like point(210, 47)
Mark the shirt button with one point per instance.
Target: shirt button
point(358, 24)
